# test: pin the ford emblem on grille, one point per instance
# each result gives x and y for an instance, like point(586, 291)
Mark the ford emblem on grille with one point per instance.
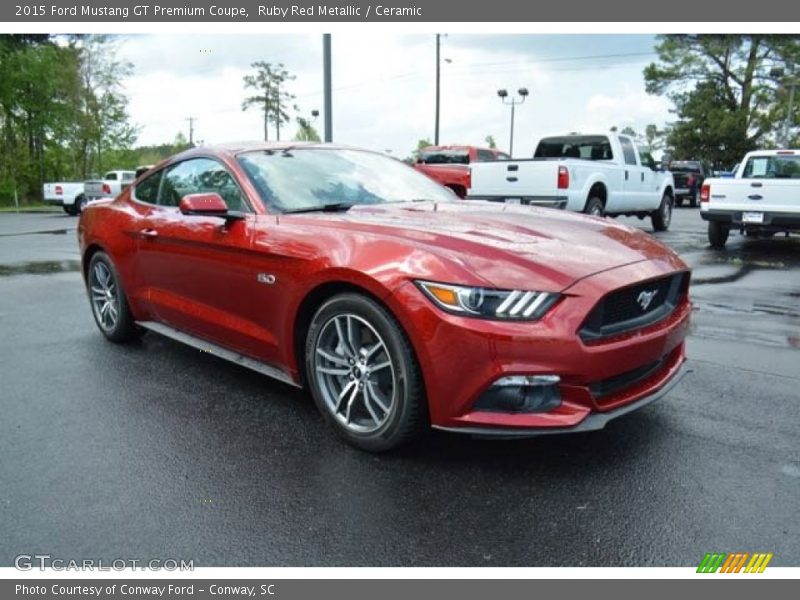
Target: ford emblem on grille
point(645, 298)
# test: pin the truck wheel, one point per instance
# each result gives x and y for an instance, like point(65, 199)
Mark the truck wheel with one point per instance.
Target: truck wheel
point(662, 216)
point(67, 209)
point(594, 206)
point(693, 202)
point(717, 234)
point(80, 204)
point(679, 201)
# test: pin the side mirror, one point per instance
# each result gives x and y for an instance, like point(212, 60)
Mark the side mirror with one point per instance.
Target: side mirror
point(207, 204)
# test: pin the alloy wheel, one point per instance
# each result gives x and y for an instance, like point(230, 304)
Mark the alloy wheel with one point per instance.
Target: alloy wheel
point(105, 296)
point(355, 373)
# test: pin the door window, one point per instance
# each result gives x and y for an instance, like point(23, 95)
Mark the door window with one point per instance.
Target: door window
point(198, 176)
point(628, 151)
point(147, 189)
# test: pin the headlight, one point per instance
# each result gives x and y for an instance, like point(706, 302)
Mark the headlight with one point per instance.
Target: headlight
point(510, 305)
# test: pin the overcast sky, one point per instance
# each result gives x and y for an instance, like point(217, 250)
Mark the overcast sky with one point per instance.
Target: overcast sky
point(384, 86)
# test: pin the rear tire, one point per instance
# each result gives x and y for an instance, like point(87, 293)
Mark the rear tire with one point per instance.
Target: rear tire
point(363, 374)
point(662, 216)
point(80, 204)
point(110, 308)
point(693, 202)
point(717, 234)
point(594, 206)
point(679, 201)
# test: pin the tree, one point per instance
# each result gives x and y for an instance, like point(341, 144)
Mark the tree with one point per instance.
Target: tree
point(627, 130)
point(271, 95)
point(63, 112)
point(490, 141)
point(708, 129)
point(724, 89)
point(654, 137)
point(423, 143)
point(306, 131)
point(103, 123)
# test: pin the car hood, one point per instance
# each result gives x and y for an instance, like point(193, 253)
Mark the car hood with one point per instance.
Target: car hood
point(502, 245)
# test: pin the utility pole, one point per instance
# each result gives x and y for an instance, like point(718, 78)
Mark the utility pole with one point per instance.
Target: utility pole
point(328, 101)
point(191, 129)
point(278, 112)
point(787, 130)
point(438, 88)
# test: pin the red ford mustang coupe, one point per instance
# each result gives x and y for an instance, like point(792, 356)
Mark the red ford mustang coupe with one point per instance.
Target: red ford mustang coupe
point(397, 305)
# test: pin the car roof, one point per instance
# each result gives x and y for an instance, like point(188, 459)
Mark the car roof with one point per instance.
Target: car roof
point(232, 149)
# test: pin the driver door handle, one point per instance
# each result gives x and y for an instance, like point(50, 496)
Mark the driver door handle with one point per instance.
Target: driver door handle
point(148, 234)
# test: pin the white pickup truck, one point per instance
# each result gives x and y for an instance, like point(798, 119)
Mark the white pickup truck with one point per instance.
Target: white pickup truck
point(762, 198)
point(110, 186)
point(68, 195)
point(605, 174)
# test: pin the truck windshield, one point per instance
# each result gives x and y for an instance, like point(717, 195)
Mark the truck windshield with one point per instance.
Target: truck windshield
point(772, 167)
point(306, 179)
point(443, 157)
point(588, 147)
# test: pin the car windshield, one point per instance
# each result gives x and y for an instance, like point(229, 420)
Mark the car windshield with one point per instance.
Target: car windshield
point(443, 157)
point(772, 167)
point(589, 147)
point(684, 167)
point(300, 179)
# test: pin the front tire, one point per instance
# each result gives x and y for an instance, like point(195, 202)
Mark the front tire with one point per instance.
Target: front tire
point(363, 374)
point(717, 234)
point(662, 216)
point(109, 303)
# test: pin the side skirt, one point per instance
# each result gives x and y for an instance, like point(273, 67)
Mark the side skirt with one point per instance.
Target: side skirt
point(218, 351)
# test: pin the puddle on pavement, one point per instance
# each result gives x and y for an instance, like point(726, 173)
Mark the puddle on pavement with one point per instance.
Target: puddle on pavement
point(46, 232)
point(47, 267)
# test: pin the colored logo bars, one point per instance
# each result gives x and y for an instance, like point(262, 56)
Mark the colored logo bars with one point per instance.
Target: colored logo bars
point(735, 562)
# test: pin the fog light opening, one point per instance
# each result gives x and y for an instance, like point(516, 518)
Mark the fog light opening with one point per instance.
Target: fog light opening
point(521, 394)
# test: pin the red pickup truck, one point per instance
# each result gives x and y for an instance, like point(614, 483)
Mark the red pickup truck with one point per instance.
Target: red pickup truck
point(449, 165)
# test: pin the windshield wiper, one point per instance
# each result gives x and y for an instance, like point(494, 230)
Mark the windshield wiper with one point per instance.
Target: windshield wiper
point(330, 207)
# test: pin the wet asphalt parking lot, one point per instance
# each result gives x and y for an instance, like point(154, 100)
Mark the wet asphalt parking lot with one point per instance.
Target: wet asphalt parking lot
point(159, 451)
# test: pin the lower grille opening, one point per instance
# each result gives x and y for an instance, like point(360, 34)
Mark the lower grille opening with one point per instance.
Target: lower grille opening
point(607, 389)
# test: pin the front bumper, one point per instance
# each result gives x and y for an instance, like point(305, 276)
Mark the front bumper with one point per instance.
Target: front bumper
point(462, 357)
point(594, 422)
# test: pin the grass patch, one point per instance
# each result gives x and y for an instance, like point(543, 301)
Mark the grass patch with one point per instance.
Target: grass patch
point(30, 208)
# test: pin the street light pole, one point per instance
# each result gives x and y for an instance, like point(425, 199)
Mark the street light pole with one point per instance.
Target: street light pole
point(503, 94)
point(438, 88)
point(328, 102)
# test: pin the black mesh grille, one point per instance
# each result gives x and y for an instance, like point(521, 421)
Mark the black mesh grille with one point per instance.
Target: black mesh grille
point(609, 386)
point(634, 307)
